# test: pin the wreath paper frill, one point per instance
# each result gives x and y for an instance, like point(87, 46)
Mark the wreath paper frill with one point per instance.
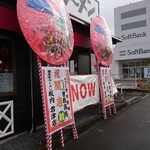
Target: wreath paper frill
point(47, 28)
point(101, 40)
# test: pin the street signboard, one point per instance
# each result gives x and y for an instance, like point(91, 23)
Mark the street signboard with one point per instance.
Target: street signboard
point(83, 10)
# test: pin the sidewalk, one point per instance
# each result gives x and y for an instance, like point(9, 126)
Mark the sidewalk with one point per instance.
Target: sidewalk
point(26, 141)
point(36, 140)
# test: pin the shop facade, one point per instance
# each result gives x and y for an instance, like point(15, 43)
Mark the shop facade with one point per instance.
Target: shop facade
point(132, 55)
point(20, 98)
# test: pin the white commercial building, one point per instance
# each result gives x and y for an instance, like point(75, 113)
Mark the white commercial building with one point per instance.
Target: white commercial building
point(132, 26)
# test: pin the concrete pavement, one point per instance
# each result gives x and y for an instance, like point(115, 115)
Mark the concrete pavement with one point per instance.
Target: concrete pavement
point(129, 130)
point(105, 135)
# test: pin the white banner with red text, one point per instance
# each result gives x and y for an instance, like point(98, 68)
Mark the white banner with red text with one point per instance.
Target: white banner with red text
point(57, 99)
point(106, 86)
point(85, 91)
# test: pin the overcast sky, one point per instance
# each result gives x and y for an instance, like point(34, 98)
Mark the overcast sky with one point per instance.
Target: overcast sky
point(107, 10)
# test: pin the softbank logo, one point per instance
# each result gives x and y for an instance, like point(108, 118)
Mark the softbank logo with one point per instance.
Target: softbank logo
point(134, 52)
point(133, 36)
point(138, 51)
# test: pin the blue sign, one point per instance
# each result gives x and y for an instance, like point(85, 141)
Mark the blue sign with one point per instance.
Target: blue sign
point(146, 72)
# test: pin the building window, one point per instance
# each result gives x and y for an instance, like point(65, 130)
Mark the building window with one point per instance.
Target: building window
point(133, 25)
point(93, 64)
point(133, 13)
point(7, 69)
point(125, 73)
point(80, 61)
point(134, 69)
point(131, 72)
point(131, 64)
point(73, 67)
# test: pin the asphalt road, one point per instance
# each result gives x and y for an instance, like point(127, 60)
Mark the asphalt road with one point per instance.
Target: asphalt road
point(128, 130)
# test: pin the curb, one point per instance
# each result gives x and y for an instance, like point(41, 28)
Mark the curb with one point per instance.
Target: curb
point(132, 100)
point(145, 96)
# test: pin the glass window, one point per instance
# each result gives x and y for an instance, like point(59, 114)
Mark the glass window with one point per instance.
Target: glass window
point(138, 72)
point(79, 62)
point(6, 66)
point(73, 68)
point(133, 13)
point(131, 72)
point(145, 63)
point(93, 63)
point(131, 64)
point(133, 25)
point(125, 65)
point(125, 73)
point(84, 63)
point(138, 64)
point(134, 69)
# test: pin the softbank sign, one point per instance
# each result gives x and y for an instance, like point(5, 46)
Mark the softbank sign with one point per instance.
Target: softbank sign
point(85, 91)
point(138, 51)
point(133, 36)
